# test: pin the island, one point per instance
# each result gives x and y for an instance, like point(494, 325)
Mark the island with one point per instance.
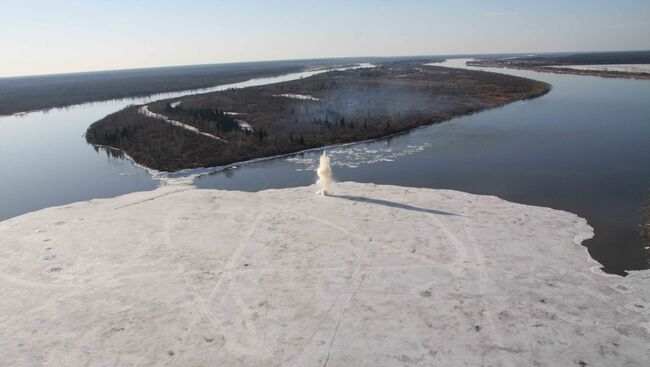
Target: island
point(180, 276)
point(220, 128)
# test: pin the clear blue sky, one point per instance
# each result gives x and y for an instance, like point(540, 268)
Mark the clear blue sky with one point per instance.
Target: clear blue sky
point(54, 36)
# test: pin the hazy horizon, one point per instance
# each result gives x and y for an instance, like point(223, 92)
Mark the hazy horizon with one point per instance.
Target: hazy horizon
point(315, 59)
point(70, 36)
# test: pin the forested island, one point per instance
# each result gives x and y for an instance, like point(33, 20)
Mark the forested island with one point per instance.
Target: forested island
point(219, 128)
point(623, 64)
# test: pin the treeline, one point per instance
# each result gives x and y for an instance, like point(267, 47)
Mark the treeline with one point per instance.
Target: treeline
point(20, 94)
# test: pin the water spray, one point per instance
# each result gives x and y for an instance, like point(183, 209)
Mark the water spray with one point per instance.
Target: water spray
point(324, 172)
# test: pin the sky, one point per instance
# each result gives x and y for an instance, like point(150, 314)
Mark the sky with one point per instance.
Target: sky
point(57, 36)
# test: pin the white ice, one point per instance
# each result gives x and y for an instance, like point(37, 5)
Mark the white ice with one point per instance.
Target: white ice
point(368, 276)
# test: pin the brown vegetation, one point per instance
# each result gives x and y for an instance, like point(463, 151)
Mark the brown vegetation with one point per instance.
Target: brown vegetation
point(352, 106)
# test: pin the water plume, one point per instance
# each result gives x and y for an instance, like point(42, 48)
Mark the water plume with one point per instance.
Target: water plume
point(324, 172)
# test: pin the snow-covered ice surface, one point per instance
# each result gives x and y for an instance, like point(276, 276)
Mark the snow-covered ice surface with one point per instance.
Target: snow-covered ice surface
point(625, 68)
point(297, 96)
point(371, 276)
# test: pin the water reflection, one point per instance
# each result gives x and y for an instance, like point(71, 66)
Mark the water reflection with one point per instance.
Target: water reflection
point(46, 161)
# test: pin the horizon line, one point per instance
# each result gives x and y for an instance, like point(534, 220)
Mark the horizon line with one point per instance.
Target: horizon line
point(455, 55)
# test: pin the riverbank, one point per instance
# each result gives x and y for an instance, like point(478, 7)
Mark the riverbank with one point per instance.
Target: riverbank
point(344, 107)
point(288, 277)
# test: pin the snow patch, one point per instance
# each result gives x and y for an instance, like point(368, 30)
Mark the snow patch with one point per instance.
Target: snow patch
point(297, 96)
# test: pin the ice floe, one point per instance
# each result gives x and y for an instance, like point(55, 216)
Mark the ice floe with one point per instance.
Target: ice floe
point(370, 275)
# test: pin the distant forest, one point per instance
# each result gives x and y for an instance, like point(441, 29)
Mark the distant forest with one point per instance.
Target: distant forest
point(21, 94)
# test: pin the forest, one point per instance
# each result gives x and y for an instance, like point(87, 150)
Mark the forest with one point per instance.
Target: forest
point(341, 107)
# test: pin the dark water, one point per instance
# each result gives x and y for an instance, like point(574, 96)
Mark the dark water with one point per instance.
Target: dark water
point(583, 148)
point(45, 160)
